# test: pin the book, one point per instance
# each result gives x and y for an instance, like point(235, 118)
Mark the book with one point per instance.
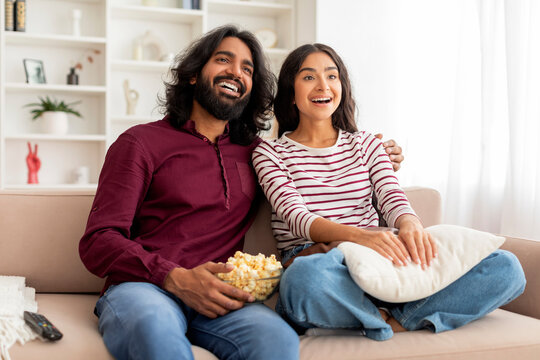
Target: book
point(9, 15)
point(20, 15)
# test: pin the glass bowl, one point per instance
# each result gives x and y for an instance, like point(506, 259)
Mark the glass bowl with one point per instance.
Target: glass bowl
point(261, 289)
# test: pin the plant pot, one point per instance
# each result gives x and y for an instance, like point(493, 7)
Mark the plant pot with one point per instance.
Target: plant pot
point(54, 122)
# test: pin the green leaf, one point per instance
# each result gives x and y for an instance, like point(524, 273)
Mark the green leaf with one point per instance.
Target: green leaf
point(48, 104)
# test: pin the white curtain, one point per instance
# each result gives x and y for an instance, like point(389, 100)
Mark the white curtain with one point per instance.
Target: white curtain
point(457, 83)
point(521, 211)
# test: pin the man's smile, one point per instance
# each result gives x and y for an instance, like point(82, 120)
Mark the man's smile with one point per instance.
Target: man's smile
point(229, 87)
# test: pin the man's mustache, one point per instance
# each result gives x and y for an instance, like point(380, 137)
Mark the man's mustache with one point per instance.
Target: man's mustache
point(241, 87)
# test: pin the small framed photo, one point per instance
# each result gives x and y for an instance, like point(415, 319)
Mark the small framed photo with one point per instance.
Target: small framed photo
point(35, 72)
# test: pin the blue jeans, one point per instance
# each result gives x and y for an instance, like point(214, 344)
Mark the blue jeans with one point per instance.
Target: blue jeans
point(317, 291)
point(142, 321)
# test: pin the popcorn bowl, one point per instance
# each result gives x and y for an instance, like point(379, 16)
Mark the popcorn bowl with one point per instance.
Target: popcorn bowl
point(261, 288)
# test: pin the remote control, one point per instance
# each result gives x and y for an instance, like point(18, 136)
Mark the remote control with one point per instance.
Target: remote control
point(42, 326)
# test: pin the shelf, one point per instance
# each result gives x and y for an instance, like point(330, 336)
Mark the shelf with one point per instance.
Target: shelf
point(40, 187)
point(247, 7)
point(79, 89)
point(139, 65)
point(49, 137)
point(151, 13)
point(111, 26)
point(21, 38)
point(134, 119)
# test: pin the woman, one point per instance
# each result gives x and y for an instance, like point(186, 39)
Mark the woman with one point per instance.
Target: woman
point(319, 177)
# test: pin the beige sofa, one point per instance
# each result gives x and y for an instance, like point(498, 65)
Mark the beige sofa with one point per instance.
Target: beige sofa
point(39, 235)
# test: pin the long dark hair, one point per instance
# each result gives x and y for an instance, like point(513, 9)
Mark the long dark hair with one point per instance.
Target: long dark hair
point(284, 108)
point(178, 101)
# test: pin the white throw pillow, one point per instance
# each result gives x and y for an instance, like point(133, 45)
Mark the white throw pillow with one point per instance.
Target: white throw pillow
point(459, 249)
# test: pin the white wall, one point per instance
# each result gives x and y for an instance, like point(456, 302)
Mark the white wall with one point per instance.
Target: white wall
point(399, 58)
point(360, 32)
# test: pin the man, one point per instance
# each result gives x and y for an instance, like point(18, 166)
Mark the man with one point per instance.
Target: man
point(175, 198)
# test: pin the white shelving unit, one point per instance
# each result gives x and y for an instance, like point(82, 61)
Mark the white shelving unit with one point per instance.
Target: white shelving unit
point(113, 27)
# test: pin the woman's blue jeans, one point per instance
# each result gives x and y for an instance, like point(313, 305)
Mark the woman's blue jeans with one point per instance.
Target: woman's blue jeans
point(142, 321)
point(317, 291)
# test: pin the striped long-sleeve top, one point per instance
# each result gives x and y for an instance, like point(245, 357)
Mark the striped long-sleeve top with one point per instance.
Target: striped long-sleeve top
point(336, 183)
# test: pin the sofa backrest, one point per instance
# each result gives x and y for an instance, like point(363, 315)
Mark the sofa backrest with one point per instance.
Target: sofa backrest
point(40, 233)
point(39, 239)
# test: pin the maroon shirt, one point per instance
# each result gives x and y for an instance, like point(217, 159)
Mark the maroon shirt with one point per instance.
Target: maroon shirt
point(168, 198)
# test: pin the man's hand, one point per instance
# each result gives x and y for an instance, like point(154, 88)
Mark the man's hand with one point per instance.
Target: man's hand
point(204, 292)
point(394, 152)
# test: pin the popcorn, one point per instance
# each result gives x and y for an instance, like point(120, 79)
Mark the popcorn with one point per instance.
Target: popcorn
point(248, 269)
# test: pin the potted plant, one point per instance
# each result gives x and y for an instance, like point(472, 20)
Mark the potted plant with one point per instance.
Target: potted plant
point(53, 114)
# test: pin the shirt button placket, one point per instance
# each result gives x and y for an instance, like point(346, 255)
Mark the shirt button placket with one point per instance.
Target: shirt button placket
point(223, 173)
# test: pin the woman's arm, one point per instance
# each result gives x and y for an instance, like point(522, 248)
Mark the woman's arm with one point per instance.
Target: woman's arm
point(291, 208)
point(395, 206)
point(281, 191)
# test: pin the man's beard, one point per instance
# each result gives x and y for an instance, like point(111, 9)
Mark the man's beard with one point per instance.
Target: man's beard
point(221, 109)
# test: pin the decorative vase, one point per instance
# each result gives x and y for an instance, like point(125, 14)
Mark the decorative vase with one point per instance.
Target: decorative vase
point(72, 77)
point(76, 14)
point(55, 122)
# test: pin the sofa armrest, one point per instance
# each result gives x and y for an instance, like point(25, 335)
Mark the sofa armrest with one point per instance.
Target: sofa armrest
point(528, 253)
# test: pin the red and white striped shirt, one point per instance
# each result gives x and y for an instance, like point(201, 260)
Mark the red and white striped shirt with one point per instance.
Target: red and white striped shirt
point(336, 183)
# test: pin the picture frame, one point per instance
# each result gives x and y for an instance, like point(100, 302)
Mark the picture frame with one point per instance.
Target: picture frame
point(35, 71)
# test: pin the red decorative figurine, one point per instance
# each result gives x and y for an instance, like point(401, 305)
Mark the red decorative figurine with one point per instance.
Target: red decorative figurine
point(33, 163)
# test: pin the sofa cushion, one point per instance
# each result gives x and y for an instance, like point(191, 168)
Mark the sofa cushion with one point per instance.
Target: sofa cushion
point(500, 335)
point(74, 316)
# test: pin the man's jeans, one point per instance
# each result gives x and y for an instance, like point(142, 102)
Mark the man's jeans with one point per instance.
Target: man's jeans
point(317, 291)
point(142, 321)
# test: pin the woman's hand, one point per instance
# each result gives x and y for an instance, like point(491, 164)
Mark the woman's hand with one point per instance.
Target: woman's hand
point(385, 243)
point(419, 242)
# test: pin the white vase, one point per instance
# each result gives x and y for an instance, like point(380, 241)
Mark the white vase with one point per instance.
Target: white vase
point(54, 122)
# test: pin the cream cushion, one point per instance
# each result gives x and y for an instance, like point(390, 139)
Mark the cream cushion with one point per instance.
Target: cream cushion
point(459, 249)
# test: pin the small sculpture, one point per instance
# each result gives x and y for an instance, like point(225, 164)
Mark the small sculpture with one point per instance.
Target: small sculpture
point(33, 163)
point(148, 47)
point(132, 96)
point(81, 175)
